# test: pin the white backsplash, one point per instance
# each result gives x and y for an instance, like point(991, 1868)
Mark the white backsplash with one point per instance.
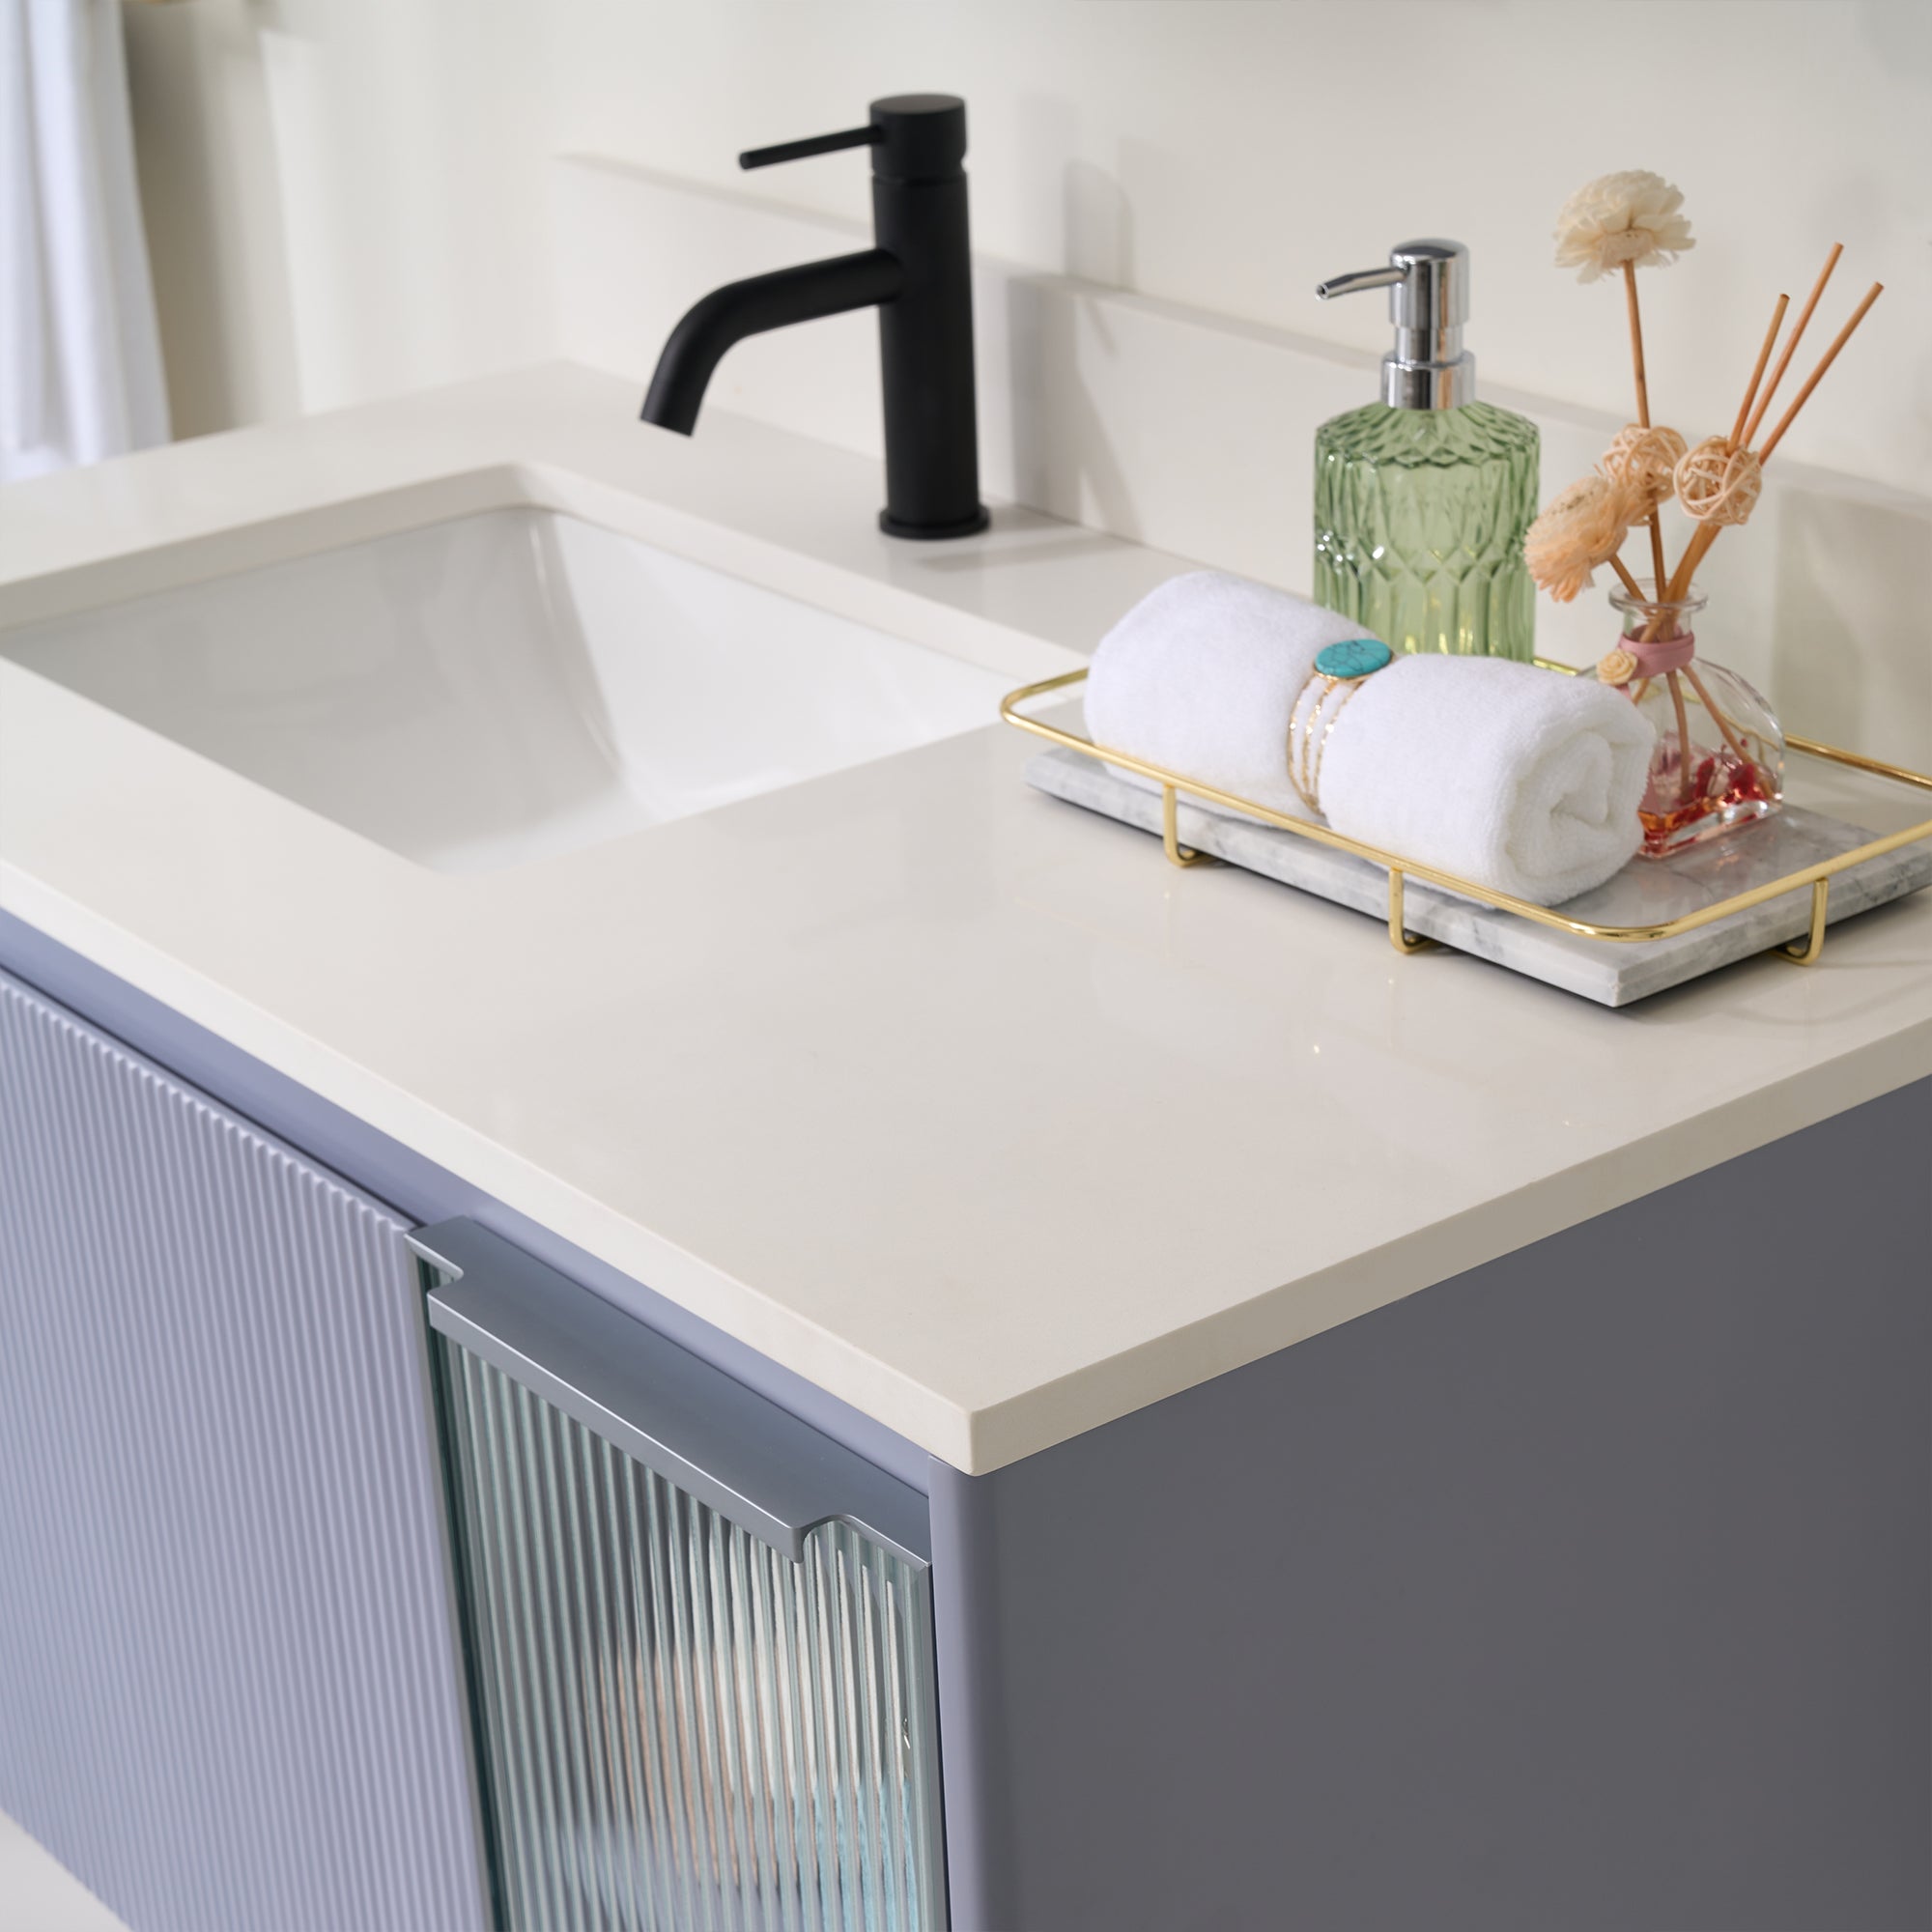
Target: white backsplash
point(1193, 432)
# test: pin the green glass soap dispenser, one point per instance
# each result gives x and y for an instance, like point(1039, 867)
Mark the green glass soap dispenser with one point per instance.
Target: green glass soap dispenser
point(1422, 499)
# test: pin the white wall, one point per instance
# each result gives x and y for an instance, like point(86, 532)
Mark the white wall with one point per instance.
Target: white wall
point(348, 196)
point(344, 198)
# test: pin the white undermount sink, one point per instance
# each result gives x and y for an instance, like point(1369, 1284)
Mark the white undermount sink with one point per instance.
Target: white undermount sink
point(507, 685)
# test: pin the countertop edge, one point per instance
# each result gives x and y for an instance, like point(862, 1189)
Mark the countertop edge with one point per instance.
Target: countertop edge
point(1429, 1257)
point(980, 1441)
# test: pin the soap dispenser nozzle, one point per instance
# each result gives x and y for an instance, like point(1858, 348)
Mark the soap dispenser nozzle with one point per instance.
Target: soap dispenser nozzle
point(1429, 301)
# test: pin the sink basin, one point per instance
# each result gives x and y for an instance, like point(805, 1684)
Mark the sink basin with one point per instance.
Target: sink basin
point(507, 686)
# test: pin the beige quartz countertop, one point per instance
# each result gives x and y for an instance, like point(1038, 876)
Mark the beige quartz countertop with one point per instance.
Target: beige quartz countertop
point(952, 1098)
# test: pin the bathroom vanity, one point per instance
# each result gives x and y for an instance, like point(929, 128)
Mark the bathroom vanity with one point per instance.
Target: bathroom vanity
point(639, 1289)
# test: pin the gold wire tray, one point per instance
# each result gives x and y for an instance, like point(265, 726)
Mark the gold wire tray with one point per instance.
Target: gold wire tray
point(1174, 784)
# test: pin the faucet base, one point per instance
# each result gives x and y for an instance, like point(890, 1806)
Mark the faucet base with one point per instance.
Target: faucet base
point(963, 526)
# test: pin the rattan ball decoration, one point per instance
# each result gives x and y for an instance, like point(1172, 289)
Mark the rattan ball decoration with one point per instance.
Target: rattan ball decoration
point(1719, 485)
point(1644, 461)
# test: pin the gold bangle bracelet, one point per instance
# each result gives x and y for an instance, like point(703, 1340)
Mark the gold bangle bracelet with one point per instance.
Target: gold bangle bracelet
point(1322, 703)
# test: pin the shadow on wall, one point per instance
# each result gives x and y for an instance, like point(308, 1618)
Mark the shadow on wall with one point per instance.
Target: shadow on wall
point(211, 195)
point(1849, 652)
point(1063, 457)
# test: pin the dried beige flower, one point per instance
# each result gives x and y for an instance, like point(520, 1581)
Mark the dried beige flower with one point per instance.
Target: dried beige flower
point(1644, 461)
point(1631, 217)
point(1617, 666)
point(1582, 527)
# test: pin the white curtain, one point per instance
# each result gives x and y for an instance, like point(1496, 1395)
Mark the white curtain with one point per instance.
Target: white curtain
point(80, 358)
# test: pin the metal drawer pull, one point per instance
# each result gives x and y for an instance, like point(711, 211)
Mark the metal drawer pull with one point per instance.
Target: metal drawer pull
point(743, 1456)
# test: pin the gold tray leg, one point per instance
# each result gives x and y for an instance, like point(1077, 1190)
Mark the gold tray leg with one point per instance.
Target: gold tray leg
point(1804, 951)
point(1170, 837)
point(1402, 940)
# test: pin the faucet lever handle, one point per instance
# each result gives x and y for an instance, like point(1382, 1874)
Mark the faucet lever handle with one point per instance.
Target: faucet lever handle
point(869, 136)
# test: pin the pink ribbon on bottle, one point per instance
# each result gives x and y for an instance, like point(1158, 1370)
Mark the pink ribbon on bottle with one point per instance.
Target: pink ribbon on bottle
point(1655, 656)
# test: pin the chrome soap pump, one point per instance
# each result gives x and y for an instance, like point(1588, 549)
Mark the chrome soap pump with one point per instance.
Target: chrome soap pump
point(1422, 499)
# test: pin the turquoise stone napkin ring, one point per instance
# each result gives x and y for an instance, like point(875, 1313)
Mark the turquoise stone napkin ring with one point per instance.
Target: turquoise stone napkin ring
point(1339, 672)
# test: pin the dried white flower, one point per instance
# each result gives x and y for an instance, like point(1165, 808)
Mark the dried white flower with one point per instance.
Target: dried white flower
point(1630, 216)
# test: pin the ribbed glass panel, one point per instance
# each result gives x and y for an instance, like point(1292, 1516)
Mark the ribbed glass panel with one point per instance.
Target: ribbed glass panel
point(684, 1730)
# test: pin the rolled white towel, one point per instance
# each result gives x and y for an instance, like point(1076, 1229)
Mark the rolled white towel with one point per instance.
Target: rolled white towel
point(1519, 778)
point(1522, 779)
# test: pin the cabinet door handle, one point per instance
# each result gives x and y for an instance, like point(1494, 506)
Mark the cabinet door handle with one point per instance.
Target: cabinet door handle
point(754, 1463)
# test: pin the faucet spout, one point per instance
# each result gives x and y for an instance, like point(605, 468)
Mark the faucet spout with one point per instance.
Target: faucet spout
point(728, 315)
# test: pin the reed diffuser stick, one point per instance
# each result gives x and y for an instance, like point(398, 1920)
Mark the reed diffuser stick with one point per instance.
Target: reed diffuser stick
point(1657, 572)
point(1694, 553)
point(1825, 361)
point(1670, 678)
point(1757, 373)
point(1636, 345)
point(1656, 547)
point(1699, 545)
point(1737, 427)
point(1796, 336)
point(1724, 724)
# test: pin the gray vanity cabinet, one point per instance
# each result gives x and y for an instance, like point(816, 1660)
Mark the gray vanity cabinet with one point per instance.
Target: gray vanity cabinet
point(1580, 1591)
point(231, 1693)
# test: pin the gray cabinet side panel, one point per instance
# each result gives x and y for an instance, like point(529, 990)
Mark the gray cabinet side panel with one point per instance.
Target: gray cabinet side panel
point(1590, 1591)
point(230, 1692)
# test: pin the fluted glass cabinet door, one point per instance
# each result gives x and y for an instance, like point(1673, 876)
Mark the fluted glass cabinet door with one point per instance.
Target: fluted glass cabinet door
point(686, 1728)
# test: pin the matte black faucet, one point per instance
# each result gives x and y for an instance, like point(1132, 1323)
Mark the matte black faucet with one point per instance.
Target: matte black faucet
point(918, 276)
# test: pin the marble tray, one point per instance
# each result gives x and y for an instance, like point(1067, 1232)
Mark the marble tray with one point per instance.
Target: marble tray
point(1611, 973)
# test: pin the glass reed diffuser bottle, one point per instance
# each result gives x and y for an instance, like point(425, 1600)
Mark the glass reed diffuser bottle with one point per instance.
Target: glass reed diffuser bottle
point(1719, 757)
point(1421, 500)
point(1718, 762)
